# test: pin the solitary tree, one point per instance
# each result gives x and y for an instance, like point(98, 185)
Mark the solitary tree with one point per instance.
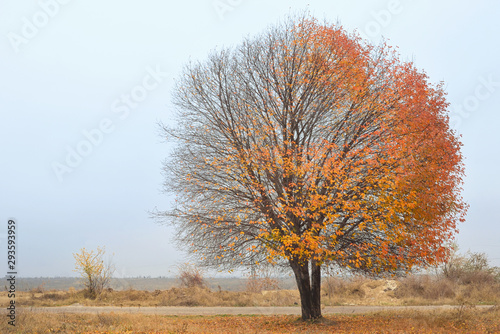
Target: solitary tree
point(96, 274)
point(307, 146)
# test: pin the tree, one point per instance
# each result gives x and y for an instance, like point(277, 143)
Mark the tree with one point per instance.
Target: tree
point(95, 272)
point(307, 146)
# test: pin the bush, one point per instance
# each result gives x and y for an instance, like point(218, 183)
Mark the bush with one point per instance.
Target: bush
point(426, 287)
point(463, 278)
point(472, 268)
point(261, 278)
point(340, 288)
point(190, 276)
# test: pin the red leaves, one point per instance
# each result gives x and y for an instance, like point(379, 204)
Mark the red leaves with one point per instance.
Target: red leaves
point(320, 147)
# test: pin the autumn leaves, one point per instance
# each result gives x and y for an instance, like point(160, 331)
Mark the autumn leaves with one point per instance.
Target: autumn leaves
point(306, 144)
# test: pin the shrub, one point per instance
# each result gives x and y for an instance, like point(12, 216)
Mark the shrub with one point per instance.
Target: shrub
point(471, 268)
point(190, 276)
point(341, 288)
point(426, 287)
point(260, 279)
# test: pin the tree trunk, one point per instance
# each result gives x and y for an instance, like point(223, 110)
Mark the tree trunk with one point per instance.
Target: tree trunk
point(316, 288)
point(309, 288)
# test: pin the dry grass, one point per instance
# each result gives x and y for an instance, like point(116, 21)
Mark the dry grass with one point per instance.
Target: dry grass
point(414, 290)
point(195, 296)
point(466, 320)
point(418, 290)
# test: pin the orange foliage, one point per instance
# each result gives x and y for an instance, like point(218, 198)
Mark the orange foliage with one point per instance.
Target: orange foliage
point(325, 149)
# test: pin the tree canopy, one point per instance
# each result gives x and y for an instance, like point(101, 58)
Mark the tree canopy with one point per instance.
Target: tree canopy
point(309, 146)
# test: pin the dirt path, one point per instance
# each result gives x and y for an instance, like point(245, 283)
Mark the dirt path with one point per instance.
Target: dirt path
point(179, 310)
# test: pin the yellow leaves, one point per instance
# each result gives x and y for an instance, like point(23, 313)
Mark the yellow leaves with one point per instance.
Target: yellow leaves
point(89, 263)
point(95, 273)
point(365, 161)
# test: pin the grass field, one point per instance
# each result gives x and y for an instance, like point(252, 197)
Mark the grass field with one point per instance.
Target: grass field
point(462, 320)
point(465, 290)
point(414, 290)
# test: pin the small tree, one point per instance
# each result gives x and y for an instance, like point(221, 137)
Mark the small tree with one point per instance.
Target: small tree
point(95, 272)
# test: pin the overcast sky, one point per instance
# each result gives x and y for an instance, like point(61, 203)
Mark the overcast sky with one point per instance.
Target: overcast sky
point(84, 83)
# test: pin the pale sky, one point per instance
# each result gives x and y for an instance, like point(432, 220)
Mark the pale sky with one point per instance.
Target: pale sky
point(84, 83)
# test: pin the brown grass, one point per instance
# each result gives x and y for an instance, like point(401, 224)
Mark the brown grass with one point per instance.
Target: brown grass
point(413, 290)
point(195, 296)
point(418, 290)
point(466, 320)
